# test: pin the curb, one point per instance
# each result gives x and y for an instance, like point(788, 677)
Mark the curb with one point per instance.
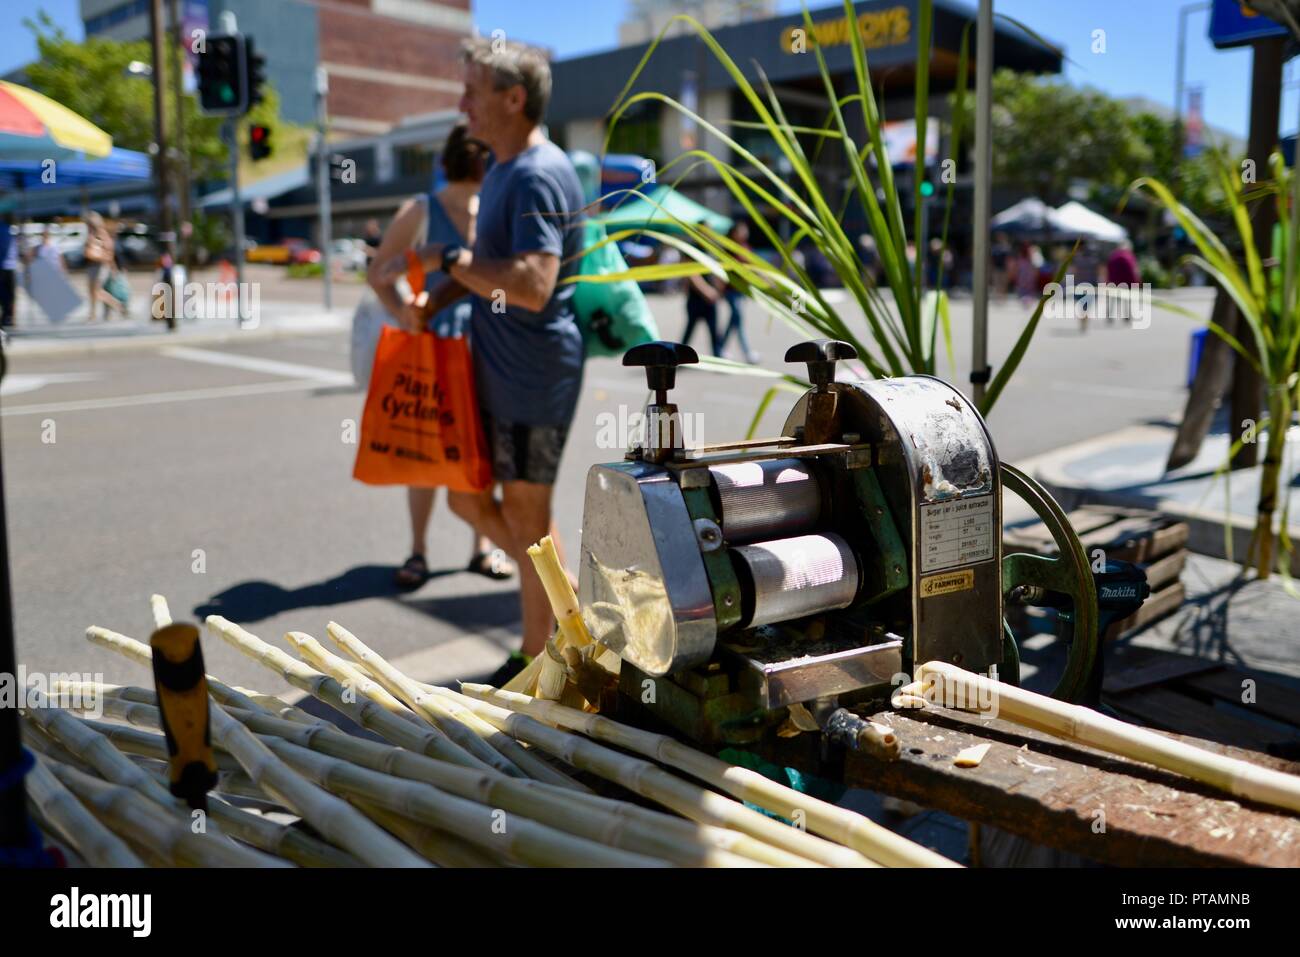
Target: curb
point(23, 347)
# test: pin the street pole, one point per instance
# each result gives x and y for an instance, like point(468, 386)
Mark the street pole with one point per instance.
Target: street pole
point(186, 247)
point(165, 235)
point(236, 208)
point(323, 183)
point(1180, 71)
point(1265, 105)
point(983, 212)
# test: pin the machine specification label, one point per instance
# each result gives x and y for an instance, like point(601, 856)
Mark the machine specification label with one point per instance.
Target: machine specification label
point(956, 533)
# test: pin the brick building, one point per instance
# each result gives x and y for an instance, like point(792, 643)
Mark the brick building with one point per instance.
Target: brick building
point(387, 59)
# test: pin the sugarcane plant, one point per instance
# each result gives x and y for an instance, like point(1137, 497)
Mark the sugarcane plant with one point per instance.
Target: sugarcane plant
point(1267, 298)
point(903, 320)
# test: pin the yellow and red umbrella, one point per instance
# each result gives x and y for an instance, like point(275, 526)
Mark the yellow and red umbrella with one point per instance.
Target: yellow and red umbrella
point(32, 126)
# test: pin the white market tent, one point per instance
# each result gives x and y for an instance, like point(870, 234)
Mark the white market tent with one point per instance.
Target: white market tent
point(1076, 219)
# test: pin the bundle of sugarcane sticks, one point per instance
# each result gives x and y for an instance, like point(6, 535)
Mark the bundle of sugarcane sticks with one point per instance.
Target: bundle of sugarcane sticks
point(445, 778)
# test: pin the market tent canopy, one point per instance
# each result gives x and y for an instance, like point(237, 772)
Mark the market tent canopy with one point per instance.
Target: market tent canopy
point(34, 127)
point(1075, 219)
point(120, 166)
point(1027, 216)
point(661, 208)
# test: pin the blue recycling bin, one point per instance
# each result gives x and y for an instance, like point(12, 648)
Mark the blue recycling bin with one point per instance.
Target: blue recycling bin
point(1194, 360)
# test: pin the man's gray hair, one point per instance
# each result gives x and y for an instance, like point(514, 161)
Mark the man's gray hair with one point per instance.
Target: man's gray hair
point(514, 64)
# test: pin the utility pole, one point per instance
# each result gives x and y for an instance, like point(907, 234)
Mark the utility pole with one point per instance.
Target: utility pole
point(323, 183)
point(979, 370)
point(1181, 70)
point(1265, 105)
point(165, 234)
point(185, 246)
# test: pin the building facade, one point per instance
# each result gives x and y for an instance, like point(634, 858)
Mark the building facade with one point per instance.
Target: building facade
point(387, 59)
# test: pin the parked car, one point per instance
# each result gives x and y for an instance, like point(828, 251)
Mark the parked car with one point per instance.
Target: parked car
point(284, 253)
point(350, 254)
point(139, 245)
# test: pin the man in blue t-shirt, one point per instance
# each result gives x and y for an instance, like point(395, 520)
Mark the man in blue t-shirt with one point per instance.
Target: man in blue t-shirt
point(527, 347)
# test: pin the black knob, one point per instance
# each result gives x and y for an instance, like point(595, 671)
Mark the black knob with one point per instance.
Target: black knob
point(660, 360)
point(821, 356)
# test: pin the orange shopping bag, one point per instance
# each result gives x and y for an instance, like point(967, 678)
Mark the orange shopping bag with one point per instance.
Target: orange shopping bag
point(421, 424)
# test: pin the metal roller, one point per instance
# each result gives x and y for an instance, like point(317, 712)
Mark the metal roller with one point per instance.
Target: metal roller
point(798, 577)
point(766, 500)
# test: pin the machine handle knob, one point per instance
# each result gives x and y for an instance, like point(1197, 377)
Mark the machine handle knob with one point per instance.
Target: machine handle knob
point(660, 360)
point(821, 356)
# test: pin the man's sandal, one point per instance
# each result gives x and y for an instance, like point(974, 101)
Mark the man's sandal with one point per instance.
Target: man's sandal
point(494, 564)
point(413, 573)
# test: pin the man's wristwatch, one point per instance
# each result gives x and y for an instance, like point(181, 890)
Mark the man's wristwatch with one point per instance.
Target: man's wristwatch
point(450, 256)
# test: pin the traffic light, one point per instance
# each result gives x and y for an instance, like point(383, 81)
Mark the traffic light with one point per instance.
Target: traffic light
point(259, 142)
point(223, 89)
point(927, 189)
point(255, 67)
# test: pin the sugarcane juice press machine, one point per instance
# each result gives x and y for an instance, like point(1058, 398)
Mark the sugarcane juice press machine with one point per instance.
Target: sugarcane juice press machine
point(817, 568)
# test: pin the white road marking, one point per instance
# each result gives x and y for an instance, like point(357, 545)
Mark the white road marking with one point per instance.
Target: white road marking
point(290, 370)
point(163, 398)
point(18, 383)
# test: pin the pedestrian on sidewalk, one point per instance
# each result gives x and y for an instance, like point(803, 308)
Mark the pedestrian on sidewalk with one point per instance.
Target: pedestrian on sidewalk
point(739, 234)
point(703, 293)
point(8, 269)
point(446, 216)
point(528, 350)
point(100, 255)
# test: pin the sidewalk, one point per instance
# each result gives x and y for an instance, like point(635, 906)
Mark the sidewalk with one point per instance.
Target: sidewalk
point(1127, 468)
point(275, 319)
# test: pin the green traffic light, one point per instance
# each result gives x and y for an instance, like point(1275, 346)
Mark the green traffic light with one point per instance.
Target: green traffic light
point(927, 189)
point(227, 94)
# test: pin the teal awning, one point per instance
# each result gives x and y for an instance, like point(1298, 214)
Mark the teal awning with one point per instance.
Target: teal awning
point(661, 208)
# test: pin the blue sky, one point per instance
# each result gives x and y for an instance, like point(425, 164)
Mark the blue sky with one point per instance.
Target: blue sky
point(1141, 37)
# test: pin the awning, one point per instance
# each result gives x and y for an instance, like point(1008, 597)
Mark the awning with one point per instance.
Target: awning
point(120, 166)
point(648, 214)
point(268, 188)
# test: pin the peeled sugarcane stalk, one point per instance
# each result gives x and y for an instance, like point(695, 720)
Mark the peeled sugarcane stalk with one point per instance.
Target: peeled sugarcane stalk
point(320, 656)
point(145, 823)
point(521, 838)
point(836, 823)
point(939, 682)
point(410, 692)
point(96, 750)
point(335, 819)
point(74, 824)
point(417, 737)
point(604, 820)
point(143, 743)
point(142, 654)
point(439, 847)
point(346, 673)
point(454, 721)
point(236, 697)
point(571, 631)
point(649, 780)
point(271, 703)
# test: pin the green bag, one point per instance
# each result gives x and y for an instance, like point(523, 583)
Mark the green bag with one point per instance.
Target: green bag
point(117, 287)
point(613, 316)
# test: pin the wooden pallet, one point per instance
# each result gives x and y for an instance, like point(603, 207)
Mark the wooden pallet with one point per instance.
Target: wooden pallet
point(1153, 541)
point(1209, 699)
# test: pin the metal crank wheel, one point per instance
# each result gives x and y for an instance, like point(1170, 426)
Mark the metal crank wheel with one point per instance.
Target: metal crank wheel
point(1053, 582)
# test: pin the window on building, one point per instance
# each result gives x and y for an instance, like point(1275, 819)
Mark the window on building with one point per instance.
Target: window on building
point(119, 14)
point(638, 131)
point(416, 162)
